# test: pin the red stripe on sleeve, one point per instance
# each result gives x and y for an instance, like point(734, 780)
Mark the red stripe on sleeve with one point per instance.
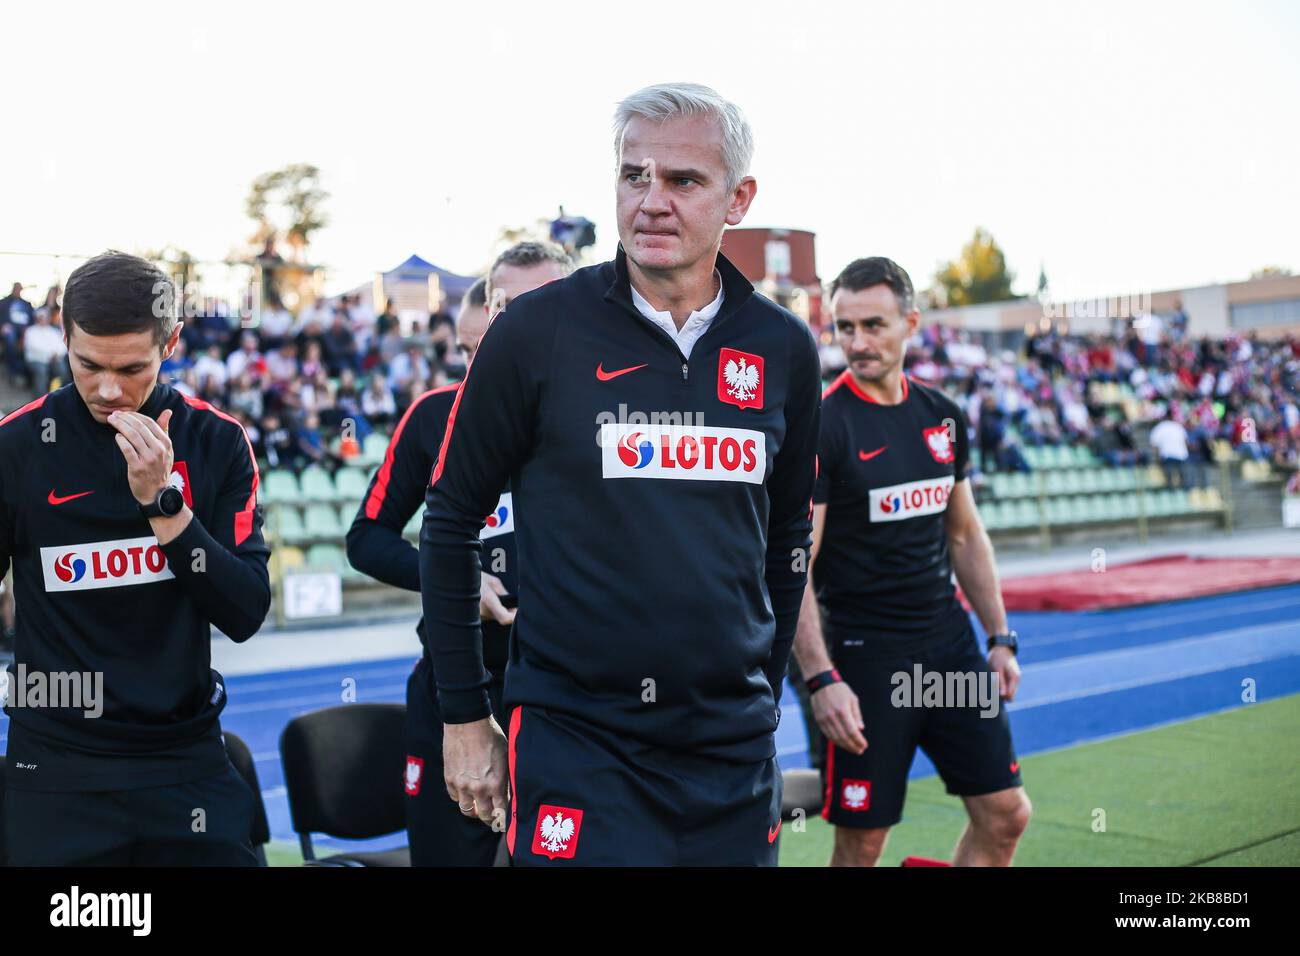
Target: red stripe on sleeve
point(36, 403)
point(243, 517)
point(378, 491)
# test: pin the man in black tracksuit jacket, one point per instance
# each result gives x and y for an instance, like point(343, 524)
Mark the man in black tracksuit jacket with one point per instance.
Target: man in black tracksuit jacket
point(126, 764)
point(437, 833)
point(662, 559)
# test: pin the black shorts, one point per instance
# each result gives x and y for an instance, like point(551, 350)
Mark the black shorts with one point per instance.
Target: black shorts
point(972, 752)
point(584, 796)
point(438, 833)
point(202, 823)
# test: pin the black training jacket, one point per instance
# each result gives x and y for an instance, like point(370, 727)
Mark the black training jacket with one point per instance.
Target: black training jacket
point(95, 593)
point(663, 513)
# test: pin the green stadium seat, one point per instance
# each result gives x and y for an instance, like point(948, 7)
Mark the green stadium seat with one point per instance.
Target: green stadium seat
point(317, 485)
point(279, 485)
point(413, 526)
point(286, 522)
point(1072, 481)
point(1089, 480)
point(326, 557)
point(322, 521)
point(350, 484)
point(374, 448)
point(1054, 483)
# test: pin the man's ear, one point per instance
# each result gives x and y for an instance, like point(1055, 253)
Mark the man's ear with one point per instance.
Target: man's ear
point(170, 345)
point(741, 197)
point(913, 322)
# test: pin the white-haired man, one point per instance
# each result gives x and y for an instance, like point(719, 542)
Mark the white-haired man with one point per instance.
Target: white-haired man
point(662, 563)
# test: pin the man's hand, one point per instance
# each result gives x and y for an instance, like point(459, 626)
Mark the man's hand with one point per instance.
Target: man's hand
point(475, 770)
point(148, 452)
point(1003, 662)
point(490, 607)
point(835, 708)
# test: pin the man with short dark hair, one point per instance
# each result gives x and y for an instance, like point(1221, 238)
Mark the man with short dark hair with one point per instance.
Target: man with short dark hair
point(893, 518)
point(513, 271)
point(129, 512)
point(662, 558)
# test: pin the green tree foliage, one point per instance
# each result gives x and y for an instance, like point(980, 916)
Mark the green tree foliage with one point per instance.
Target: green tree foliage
point(978, 275)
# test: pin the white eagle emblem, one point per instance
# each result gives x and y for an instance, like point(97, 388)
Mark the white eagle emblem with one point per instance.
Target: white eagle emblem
point(741, 379)
point(177, 481)
point(412, 775)
point(556, 831)
point(940, 444)
point(855, 795)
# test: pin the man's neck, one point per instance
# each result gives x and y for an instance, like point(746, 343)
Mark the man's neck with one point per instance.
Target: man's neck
point(678, 291)
point(887, 390)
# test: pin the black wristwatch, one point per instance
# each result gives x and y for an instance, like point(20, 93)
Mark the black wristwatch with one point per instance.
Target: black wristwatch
point(168, 504)
point(1009, 639)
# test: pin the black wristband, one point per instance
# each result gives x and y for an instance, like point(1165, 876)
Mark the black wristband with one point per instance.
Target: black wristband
point(824, 679)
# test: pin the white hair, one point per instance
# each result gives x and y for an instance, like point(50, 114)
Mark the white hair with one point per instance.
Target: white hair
point(666, 101)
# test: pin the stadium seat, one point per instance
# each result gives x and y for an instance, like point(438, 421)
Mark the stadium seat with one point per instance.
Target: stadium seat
point(1072, 481)
point(802, 790)
point(1026, 513)
point(1213, 499)
point(290, 557)
point(286, 522)
point(1021, 483)
point(279, 485)
point(350, 484)
point(413, 526)
point(1054, 483)
point(317, 485)
point(322, 521)
point(242, 760)
point(374, 448)
point(1090, 479)
point(343, 770)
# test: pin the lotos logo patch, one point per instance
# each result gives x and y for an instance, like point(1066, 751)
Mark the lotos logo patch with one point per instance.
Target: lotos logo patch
point(697, 452)
point(501, 520)
point(104, 564)
point(910, 500)
point(557, 832)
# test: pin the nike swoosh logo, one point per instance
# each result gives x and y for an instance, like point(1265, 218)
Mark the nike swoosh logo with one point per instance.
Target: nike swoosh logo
point(867, 456)
point(771, 834)
point(1015, 766)
point(57, 500)
point(606, 376)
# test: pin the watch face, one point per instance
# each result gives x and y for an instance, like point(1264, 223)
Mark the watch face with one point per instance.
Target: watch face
point(171, 501)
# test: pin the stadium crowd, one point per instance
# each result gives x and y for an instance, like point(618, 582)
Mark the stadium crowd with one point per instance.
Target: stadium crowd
point(1142, 394)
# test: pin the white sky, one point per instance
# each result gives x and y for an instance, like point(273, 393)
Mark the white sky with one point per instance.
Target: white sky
point(1129, 146)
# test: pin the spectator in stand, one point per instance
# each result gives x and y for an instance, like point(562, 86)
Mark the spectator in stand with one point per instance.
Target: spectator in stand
point(377, 402)
point(386, 320)
point(275, 324)
point(210, 369)
point(282, 364)
point(1169, 439)
point(279, 445)
point(16, 314)
point(340, 344)
point(246, 357)
point(246, 397)
point(44, 349)
point(409, 366)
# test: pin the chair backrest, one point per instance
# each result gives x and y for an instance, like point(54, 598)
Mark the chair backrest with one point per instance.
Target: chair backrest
point(343, 769)
point(242, 759)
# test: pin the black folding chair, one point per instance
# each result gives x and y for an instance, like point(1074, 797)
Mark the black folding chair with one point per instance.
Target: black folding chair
point(242, 759)
point(802, 790)
point(343, 768)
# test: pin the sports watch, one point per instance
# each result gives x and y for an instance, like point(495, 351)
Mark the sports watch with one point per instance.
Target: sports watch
point(1009, 639)
point(168, 504)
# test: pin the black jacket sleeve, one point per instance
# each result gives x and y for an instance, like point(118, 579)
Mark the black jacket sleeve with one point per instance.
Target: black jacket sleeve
point(489, 435)
point(224, 566)
point(789, 529)
point(375, 543)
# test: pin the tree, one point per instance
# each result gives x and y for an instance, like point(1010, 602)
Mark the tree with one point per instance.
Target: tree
point(978, 275)
point(294, 192)
point(1270, 272)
